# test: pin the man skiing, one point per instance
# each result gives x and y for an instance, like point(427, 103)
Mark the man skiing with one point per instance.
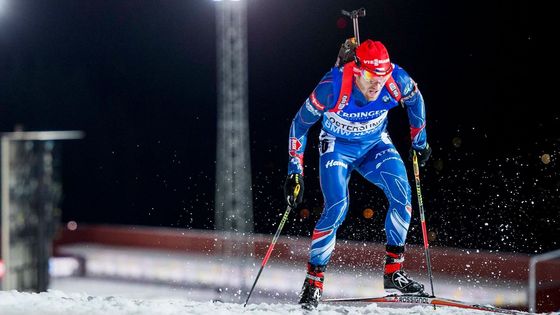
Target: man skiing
point(353, 101)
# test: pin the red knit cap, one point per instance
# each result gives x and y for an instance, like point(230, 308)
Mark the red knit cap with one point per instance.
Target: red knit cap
point(373, 57)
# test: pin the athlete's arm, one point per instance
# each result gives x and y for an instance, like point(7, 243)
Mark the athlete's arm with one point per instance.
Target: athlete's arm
point(309, 113)
point(414, 103)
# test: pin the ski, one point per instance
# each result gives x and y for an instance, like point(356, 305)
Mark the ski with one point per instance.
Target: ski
point(427, 300)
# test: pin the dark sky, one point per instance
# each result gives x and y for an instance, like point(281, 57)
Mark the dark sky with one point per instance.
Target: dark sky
point(139, 77)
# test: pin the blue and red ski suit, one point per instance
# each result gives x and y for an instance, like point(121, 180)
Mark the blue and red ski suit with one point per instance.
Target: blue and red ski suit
point(354, 137)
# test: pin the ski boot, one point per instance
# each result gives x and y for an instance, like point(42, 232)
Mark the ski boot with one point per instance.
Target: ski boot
point(395, 279)
point(312, 287)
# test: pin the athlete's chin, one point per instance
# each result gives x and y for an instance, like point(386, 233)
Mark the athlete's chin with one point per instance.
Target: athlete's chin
point(372, 93)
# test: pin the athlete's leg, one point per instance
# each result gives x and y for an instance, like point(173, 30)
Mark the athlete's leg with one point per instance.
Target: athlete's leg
point(384, 167)
point(335, 168)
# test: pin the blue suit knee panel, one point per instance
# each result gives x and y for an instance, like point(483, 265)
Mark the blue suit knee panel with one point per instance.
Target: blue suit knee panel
point(385, 168)
point(333, 215)
point(387, 171)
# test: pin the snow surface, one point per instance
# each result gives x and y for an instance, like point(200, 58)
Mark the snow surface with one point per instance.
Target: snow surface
point(58, 302)
point(280, 281)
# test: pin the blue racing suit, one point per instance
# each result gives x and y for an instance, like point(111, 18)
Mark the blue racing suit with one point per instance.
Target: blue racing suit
point(354, 137)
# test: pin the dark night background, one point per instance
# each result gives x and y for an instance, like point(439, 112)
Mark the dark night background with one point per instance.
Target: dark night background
point(139, 77)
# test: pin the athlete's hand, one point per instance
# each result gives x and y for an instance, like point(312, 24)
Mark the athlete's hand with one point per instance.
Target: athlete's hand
point(293, 189)
point(347, 52)
point(423, 154)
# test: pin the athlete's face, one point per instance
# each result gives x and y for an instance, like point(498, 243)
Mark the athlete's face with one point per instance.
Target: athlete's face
point(371, 84)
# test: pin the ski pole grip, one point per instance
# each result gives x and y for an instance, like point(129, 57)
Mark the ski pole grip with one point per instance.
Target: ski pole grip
point(296, 191)
point(415, 164)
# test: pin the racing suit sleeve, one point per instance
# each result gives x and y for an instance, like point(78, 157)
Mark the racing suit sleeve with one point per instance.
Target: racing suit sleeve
point(413, 101)
point(311, 111)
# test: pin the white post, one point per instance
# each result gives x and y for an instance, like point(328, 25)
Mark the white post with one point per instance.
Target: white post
point(8, 282)
point(5, 168)
point(533, 276)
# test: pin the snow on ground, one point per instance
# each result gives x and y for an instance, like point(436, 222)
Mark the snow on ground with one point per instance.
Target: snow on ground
point(104, 291)
point(57, 302)
point(280, 280)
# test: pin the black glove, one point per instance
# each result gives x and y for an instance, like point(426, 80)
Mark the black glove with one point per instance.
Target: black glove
point(347, 52)
point(293, 189)
point(423, 154)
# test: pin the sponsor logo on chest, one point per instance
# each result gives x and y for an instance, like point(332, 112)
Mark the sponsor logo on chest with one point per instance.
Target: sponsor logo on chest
point(370, 114)
point(337, 124)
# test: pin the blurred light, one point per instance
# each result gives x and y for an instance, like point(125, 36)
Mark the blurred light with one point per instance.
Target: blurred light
point(432, 236)
point(304, 213)
point(438, 164)
point(545, 158)
point(341, 23)
point(456, 142)
point(3, 6)
point(499, 299)
point(72, 225)
point(64, 266)
point(367, 213)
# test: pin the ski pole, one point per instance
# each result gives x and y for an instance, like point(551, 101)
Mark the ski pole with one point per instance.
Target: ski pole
point(354, 15)
point(274, 239)
point(422, 217)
